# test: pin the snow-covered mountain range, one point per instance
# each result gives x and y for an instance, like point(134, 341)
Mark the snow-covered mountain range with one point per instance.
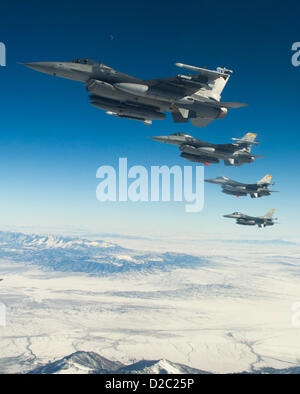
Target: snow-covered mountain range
point(81, 255)
point(92, 363)
point(79, 363)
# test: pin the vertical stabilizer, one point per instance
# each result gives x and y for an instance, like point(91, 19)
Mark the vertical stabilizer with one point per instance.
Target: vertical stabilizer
point(214, 87)
point(266, 179)
point(216, 80)
point(269, 214)
point(247, 141)
point(249, 137)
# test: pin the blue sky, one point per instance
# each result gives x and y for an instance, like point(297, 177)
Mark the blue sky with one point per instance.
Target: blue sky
point(53, 141)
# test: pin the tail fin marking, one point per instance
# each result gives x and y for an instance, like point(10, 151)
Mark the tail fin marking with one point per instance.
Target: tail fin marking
point(269, 214)
point(266, 179)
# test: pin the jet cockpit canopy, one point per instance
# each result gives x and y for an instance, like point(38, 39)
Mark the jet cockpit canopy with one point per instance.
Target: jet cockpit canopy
point(181, 135)
point(83, 60)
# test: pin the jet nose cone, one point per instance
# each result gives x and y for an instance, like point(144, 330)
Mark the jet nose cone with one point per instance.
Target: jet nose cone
point(44, 67)
point(161, 138)
point(209, 180)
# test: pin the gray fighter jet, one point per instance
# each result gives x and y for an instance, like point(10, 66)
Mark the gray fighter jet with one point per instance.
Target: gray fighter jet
point(261, 221)
point(233, 154)
point(196, 96)
point(238, 189)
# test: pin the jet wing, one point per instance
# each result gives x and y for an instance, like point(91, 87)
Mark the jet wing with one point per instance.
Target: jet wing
point(249, 217)
point(204, 81)
point(224, 181)
point(231, 182)
point(225, 148)
point(191, 83)
point(181, 85)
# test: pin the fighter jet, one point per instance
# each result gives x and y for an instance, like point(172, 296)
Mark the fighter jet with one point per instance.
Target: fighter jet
point(233, 154)
point(261, 221)
point(196, 96)
point(238, 189)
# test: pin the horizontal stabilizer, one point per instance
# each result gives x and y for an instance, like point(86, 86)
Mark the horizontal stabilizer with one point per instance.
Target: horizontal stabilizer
point(232, 105)
point(244, 142)
point(258, 156)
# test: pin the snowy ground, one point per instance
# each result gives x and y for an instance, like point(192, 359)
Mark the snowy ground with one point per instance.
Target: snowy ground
point(232, 313)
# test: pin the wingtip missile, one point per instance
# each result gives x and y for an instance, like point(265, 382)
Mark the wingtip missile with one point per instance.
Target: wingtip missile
point(221, 71)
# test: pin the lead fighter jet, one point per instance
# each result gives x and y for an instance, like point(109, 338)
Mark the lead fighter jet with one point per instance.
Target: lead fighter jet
point(261, 221)
point(258, 189)
point(234, 154)
point(196, 96)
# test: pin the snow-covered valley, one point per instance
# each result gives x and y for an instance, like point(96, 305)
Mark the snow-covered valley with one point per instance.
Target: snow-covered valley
point(221, 309)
